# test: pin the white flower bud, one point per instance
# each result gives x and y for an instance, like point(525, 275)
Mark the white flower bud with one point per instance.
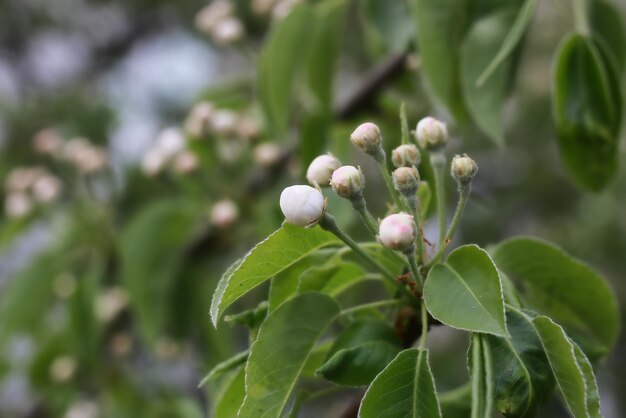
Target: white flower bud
point(198, 122)
point(91, 160)
point(367, 138)
point(406, 180)
point(186, 162)
point(282, 8)
point(302, 205)
point(17, 205)
point(83, 409)
point(73, 147)
point(348, 182)
point(46, 189)
point(267, 154)
point(110, 303)
point(262, 7)
point(248, 128)
point(47, 142)
point(406, 155)
point(209, 16)
point(398, 231)
point(463, 168)
point(63, 368)
point(170, 142)
point(224, 122)
point(321, 169)
point(153, 162)
point(431, 134)
point(227, 31)
point(22, 178)
point(224, 213)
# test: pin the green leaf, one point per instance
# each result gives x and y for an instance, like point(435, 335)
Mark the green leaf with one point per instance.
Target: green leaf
point(587, 123)
point(280, 250)
point(404, 124)
point(557, 285)
point(152, 250)
point(250, 318)
point(592, 398)
point(225, 366)
point(360, 353)
point(481, 375)
point(513, 37)
point(440, 25)
point(607, 23)
point(405, 388)
point(466, 292)
point(522, 378)
point(424, 196)
point(278, 66)
point(231, 396)
point(564, 365)
point(485, 101)
point(332, 279)
point(280, 351)
point(457, 403)
point(388, 25)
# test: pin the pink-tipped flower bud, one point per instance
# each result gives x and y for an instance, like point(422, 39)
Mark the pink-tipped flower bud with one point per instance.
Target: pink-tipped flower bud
point(463, 168)
point(406, 180)
point(431, 134)
point(47, 142)
point(224, 213)
point(406, 155)
point(227, 31)
point(348, 182)
point(368, 139)
point(302, 205)
point(398, 232)
point(321, 169)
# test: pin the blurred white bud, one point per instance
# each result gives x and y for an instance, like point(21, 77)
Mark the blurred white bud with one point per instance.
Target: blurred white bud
point(92, 160)
point(21, 179)
point(248, 128)
point(431, 134)
point(227, 31)
point(282, 8)
point(170, 142)
point(398, 231)
point(463, 168)
point(62, 368)
point(47, 189)
point(64, 285)
point(198, 121)
point(73, 147)
point(186, 162)
point(153, 162)
point(367, 138)
point(212, 14)
point(302, 205)
point(268, 154)
point(224, 122)
point(262, 7)
point(406, 180)
point(321, 169)
point(47, 142)
point(110, 303)
point(348, 182)
point(406, 155)
point(224, 213)
point(83, 409)
point(17, 205)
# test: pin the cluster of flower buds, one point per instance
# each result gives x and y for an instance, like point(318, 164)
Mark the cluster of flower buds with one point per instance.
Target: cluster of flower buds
point(218, 21)
point(205, 119)
point(28, 186)
point(82, 154)
point(169, 151)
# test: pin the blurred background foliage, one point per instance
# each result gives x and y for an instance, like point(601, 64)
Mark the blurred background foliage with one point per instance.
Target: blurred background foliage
point(144, 144)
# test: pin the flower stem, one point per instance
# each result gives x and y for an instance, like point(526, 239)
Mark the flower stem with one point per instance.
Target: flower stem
point(371, 305)
point(414, 208)
point(381, 159)
point(438, 162)
point(464, 192)
point(361, 207)
point(424, 326)
point(410, 255)
point(327, 222)
point(581, 16)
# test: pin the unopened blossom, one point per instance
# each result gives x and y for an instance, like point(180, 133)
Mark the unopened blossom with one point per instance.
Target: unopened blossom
point(17, 205)
point(268, 154)
point(248, 128)
point(262, 7)
point(224, 213)
point(282, 8)
point(170, 142)
point(406, 180)
point(186, 162)
point(73, 147)
point(92, 160)
point(302, 205)
point(405, 155)
point(463, 168)
point(209, 16)
point(431, 134)
point(321, 169)
point(46, 189)
point(21, 179)
point(110, 303)
point(47, 142)
point(224, 122)
point(367, 138)
point(398, 231)
point(83, 409)
point(348, 182)
point(62, 368)
point(198, 122)
point(153, 162)
point(227, 31)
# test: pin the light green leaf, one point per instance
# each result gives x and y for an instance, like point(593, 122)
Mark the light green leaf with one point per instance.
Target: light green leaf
point(481, 375)
point(278, 66)
point(388, 25)
point(564, 365)
point(466, 292)
point(225, 366)
point(231, 396)
point(485, 101)
point(405, 388)
point(557, 285)
point(591, 387)
point(440, 26)
point(332, 279)
point(513, 37)
point(280, 250)
point(457, 403)
point(587, 122)
point(424, 196)
point(280, 351)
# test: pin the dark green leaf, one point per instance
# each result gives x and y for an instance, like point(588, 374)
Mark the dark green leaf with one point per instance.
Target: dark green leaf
point(466, 292)
point(250, 318)
point(607, 23)
point(562, 287)
point(388, 25)
point(225, 366)
point(331, 280)
point(231, 396)
point(457, 403)
point(278, 355)
point(481, 375)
